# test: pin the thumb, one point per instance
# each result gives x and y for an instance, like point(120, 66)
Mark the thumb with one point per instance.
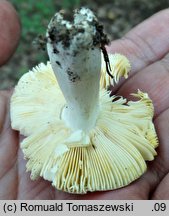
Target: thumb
point(9, 31)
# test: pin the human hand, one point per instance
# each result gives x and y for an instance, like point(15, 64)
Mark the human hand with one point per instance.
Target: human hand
point(147, 47)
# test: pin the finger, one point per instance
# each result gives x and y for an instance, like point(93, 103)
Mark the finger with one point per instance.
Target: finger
point(162, 191)
point(9, 31)
point(161, 165)
point(146, 43)
point(154, 80)
point(8, 151)
point(3, 111)
point(28, 189)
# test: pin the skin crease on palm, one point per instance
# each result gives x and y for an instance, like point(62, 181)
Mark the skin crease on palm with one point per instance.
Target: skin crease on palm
point(147, 47)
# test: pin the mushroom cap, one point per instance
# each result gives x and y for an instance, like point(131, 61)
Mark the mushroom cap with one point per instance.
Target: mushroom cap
point(110, 156)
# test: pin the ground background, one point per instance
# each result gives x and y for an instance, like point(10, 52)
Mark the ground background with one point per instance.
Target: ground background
point(118, 17)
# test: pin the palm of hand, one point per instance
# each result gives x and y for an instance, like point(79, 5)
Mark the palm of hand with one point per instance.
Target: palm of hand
point(146, 46)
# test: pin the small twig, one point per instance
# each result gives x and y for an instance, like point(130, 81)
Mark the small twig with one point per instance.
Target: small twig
point(106, 59)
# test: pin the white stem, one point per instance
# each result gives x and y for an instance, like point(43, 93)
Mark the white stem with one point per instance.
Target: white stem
point(75, 55)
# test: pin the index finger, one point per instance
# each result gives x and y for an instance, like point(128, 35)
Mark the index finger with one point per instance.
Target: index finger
point(146, 43)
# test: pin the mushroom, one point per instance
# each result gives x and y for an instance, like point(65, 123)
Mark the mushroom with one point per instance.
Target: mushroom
point(78, 136)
